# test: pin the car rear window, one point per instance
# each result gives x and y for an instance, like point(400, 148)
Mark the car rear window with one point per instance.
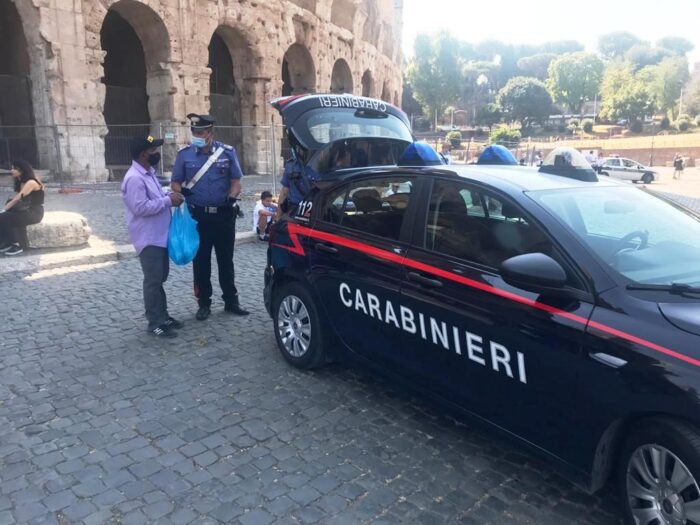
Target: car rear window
point(319, 127)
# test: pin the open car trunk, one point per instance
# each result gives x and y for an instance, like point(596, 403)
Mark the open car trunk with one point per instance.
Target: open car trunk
point(344, 131)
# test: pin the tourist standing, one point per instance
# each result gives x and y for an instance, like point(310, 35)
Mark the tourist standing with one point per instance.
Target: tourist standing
point(148, 221)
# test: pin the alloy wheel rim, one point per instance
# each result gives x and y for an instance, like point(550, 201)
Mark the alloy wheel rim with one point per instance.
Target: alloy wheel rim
point(661, 489)
point(294, 326)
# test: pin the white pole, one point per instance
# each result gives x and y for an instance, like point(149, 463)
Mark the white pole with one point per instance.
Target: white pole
point(680, 105)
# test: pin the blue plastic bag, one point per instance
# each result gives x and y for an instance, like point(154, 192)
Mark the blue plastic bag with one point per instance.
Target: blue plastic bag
point(183, 238)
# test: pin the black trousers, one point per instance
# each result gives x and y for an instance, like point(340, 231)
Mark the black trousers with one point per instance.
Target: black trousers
point(156, 267)
point(217, 231)
point(13, 225)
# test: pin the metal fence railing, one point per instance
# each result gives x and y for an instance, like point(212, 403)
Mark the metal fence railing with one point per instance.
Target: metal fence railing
point(91, 154)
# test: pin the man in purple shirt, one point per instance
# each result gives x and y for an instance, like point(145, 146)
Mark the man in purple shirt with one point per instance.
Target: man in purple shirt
point(148, 221)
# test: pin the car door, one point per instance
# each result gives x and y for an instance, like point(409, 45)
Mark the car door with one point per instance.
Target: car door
point(630, 170)
point(359, 240)
point(506, 354)
point(613, 168)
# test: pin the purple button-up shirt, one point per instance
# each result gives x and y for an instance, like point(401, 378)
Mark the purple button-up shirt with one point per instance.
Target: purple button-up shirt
point(147, 208)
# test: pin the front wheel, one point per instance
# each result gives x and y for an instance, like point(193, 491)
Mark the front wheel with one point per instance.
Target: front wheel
point(297, 324)
point(648, 178)
point(658, 475)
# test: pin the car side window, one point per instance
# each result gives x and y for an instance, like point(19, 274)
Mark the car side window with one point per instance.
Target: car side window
point(628, 163)
point(375, 206)
point(487, 233)
point(613, 162)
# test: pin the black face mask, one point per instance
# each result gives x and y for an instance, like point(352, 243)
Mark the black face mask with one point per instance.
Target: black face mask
point(154, 159)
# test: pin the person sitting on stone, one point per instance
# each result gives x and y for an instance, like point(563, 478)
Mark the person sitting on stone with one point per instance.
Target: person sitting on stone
point(26, 207)
point(263, 213)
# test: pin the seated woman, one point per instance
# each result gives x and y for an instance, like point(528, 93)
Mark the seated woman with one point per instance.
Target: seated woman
point(25, 208)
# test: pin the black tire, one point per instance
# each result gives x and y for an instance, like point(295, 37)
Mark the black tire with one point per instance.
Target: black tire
point(314, 355)
point(648, 178)
point(669, 436)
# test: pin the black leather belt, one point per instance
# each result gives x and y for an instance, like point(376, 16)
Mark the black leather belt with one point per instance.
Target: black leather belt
point(211, 209)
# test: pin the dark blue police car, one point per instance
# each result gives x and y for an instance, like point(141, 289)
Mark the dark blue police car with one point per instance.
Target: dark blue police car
point(561, 309)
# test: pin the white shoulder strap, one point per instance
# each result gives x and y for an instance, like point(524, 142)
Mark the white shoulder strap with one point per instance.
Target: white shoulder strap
point(194, 180)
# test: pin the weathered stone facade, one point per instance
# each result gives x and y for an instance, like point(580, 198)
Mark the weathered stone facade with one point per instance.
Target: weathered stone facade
point(276, 47)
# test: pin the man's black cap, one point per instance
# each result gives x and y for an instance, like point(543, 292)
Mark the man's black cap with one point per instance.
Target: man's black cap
point(201, 121)
point(141, 144)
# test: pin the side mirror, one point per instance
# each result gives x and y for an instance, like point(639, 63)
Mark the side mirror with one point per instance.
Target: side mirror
point(535, 272)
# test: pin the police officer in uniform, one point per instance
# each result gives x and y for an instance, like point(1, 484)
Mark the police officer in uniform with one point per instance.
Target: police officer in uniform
point(208, 173)
point(297, 179)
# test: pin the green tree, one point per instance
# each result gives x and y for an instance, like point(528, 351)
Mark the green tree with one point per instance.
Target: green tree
point(488, 115)
point(559, 47)
point(615, 45)
point(691, 98)
point(676, 44)
point(574, 78)
point(435, 72)
point(642, 55)
point(623, 95)
point(536, 66)
point(505, 137)
point(525, 99)
point(665, 81)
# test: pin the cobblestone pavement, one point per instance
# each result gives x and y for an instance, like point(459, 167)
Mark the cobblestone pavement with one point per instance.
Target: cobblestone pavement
point(99, 423)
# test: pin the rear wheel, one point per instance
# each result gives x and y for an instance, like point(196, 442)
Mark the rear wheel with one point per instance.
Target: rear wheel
point(658, 475)
point(647, 178)
point(298, 327)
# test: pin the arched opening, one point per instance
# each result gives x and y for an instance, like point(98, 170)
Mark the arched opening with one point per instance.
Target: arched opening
point(367, 90)
point(341, 78)
point(386, 94)
point(343, 13)
point(229, 55)
point(306, 4)
point(17, 139)
point(136, 42)
point(298, 71)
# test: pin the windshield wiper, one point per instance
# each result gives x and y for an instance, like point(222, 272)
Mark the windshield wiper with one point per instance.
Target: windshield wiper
point(677, 288)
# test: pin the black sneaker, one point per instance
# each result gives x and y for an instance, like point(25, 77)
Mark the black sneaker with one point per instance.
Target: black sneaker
point(235, 308)
point(163, 331)
point(15, 249)
point(203, 313)
point(174, 323)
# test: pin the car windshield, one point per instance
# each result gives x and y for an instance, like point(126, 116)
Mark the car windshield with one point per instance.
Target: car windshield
point(319, 127)
point(640, 236)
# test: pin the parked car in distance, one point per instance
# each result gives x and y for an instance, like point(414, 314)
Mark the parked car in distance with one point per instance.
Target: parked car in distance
point(626, 169)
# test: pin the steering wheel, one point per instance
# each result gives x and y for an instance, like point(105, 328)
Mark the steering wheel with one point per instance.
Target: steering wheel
point(638, 234)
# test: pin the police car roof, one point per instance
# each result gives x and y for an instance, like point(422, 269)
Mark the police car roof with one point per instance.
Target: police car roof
point(508, 178)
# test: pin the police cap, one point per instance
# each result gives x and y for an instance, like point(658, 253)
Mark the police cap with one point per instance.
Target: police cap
point(201, 121)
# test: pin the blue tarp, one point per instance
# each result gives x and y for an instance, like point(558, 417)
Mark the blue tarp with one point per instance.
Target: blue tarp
point(419, 154)
point(497, 154)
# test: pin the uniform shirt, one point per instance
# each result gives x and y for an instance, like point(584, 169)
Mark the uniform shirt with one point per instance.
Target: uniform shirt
point(298, 186)
point(214, 187)
point(147, 208)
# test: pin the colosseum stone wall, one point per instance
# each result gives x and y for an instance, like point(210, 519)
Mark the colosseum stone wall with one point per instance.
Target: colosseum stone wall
point(77, 77)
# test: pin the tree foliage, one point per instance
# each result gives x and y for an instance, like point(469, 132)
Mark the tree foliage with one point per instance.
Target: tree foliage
point(615, 45)
point(676, 44)
point(624, 95)
point(489, 115)
point(642, 55)
point(525, 99)
point(692, 94)
point(435, 71)
point(574, 78)
point(536, 66)
point(665, 81)
point(505, 136)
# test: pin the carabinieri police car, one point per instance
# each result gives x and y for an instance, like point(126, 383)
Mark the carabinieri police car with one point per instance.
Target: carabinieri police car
point(558, 307)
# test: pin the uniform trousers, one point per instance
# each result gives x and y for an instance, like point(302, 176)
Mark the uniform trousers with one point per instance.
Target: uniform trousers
point(156, 267)
point(217, 231)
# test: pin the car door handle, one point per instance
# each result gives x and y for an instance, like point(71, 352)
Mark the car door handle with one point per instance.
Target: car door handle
point(608, 360)
point(425, 281)
point(326, 248)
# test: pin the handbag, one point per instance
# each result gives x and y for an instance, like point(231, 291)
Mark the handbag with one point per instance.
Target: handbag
point(183, 237)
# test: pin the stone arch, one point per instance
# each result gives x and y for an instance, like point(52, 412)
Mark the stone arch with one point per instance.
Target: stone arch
point(309, 5)
point(341, 78)
point(370, 29)
point(231, 59)
point(298, 71)
point(138, 86)
point(386, 94)
point(367, 84)
point(343, 14)
point(17, 137)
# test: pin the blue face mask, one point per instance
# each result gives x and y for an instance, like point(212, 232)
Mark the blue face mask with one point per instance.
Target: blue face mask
point(199, 142)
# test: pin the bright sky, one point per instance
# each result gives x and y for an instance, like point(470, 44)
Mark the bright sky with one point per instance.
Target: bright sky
point(538, 21)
